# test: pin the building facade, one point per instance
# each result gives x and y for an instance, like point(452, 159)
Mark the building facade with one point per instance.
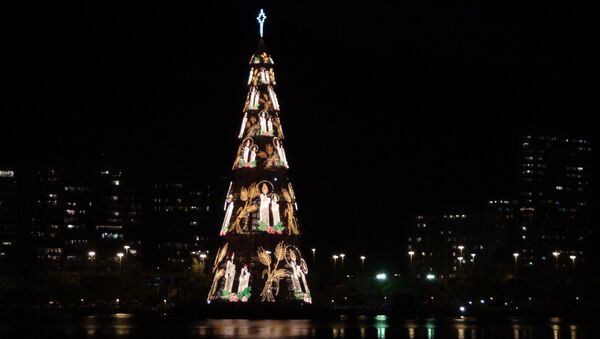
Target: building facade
point(554, 213)
point(8, 210)
point(445, 245)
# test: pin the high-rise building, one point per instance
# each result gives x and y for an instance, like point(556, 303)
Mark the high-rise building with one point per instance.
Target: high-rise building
point(77, 210)
point(180, 218)
point(443, 244)
point(47, 213)
point(78, 227)
point(498, 230)
point(8, 210)
point(554, 212)
point(118, 213)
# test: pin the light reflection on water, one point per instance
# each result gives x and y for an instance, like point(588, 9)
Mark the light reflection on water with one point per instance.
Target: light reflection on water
point(242, 328)
point(367, 327)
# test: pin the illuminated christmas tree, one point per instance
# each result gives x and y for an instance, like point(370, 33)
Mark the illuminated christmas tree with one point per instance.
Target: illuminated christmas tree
point(260, 259)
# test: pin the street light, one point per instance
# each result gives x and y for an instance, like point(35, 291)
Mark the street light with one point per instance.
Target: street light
point(202, 258)
point(362, 261)
point(342, 256)
point(126, 247)
point(461, 248)
point(460, 259)
point(120, 256)
point(573, 257)
point(335, 258)
point(92, 256)
point(516, 255)
point(314, 251)
point(556, 254)
point(410, 254)
point(381, 276)
point(473, 258)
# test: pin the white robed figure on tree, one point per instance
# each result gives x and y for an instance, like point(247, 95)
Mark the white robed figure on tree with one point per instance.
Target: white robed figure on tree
point(243, 292)
point(277, 224)
point(280, 152)
point(228, 213)
point(265, 202)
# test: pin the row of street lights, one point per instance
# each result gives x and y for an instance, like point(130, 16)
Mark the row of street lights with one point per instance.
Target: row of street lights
point(555, 254)
point(119, 257)
point(460, 258)
point(342, 256)
point(335, 258)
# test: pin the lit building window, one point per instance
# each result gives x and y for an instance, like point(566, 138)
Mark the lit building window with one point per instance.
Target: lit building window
point(7, 174)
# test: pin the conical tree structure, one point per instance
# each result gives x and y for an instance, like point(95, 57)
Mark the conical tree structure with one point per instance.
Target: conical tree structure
point(260, 259)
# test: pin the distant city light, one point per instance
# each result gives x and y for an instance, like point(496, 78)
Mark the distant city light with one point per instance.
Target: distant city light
point(381, 276)
point(7, 174)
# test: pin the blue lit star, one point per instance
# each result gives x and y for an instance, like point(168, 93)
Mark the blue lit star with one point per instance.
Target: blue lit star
point(261, 20)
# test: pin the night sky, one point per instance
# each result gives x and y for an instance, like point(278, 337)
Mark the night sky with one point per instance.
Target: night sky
point(389, 110)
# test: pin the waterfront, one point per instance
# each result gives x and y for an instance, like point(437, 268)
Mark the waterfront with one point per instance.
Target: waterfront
point(130, 326)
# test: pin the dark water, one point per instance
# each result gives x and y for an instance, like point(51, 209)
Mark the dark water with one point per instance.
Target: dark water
point(129, 326)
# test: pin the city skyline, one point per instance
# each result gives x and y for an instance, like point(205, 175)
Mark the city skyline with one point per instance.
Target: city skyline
point(299, 169)
point(396, 95)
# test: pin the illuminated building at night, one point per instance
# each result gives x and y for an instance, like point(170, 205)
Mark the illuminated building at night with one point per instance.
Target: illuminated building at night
point(443, 244)
point(8, 210)
point(554, 213)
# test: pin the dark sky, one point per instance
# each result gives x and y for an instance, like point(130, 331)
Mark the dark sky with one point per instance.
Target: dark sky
point(389, 110)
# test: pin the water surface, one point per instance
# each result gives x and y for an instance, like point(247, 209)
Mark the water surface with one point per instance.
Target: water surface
point(130, 326)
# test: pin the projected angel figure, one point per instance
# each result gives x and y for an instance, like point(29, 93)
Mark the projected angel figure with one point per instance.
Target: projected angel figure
point(244, 153)
point(264, 76)
point(228, 213)
point(244, 125)
point(280, 152)
point(252, 158)
point(229, 275)
point(277, 224)
point(244, 279)
point(265, 201)
point(262, 120)
point(270, 126)
point(296, 271)
point(277, 124)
